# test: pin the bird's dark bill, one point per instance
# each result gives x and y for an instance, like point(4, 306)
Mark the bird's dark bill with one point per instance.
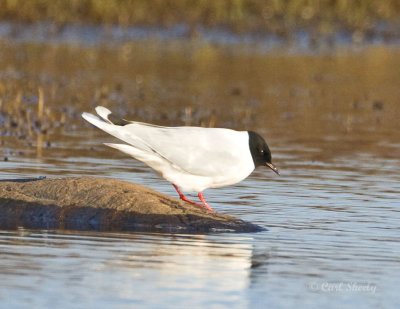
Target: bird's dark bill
point(273, 167)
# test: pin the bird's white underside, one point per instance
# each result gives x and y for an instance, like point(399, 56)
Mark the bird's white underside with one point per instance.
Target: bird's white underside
point(193, 158)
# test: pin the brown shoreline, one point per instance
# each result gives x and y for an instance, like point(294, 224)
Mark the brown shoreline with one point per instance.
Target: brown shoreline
point(103, 204)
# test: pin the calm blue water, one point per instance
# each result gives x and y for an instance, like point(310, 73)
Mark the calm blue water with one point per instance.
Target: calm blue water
point(332, 241)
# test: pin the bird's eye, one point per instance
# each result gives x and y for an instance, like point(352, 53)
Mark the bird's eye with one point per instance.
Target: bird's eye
point(261, 151)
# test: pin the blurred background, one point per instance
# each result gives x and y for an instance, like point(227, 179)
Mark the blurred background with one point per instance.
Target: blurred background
point(319, 79)
point(294, 68)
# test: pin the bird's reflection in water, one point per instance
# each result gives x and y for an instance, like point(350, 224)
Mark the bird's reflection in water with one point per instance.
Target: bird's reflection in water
point(149, 268)
point(220, 263)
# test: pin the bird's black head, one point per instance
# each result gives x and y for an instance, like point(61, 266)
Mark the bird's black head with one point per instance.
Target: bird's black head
point(260, 151)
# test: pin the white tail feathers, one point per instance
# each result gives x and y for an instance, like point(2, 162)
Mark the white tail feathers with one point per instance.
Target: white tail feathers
point(94, 120)
point(103, 112)
point(121, 132)
point(130, 150)
point(150, 158)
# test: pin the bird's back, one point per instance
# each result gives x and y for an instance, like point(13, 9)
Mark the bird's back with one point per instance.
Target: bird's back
point(196, 150)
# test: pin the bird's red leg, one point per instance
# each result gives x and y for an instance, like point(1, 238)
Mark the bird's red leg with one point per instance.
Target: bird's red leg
point(184, 198)
point(205, 203)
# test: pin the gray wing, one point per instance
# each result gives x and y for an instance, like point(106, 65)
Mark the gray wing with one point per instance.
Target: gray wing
point(199, 151)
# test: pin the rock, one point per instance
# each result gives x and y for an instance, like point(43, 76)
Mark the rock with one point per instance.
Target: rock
point(105, 204)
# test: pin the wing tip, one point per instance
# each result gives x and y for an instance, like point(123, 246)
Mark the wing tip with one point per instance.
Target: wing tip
point(89, 116)
point(103, 112)
point(109, 117)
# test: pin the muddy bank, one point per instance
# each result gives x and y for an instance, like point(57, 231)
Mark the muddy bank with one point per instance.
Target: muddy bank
point(107, 205)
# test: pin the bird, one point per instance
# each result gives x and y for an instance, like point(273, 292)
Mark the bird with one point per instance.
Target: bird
point(191, 158)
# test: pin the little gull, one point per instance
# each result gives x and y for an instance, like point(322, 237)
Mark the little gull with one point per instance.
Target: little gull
point(192, 158)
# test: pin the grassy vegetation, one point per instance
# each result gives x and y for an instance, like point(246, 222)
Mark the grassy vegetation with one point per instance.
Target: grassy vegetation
point(276, 16)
